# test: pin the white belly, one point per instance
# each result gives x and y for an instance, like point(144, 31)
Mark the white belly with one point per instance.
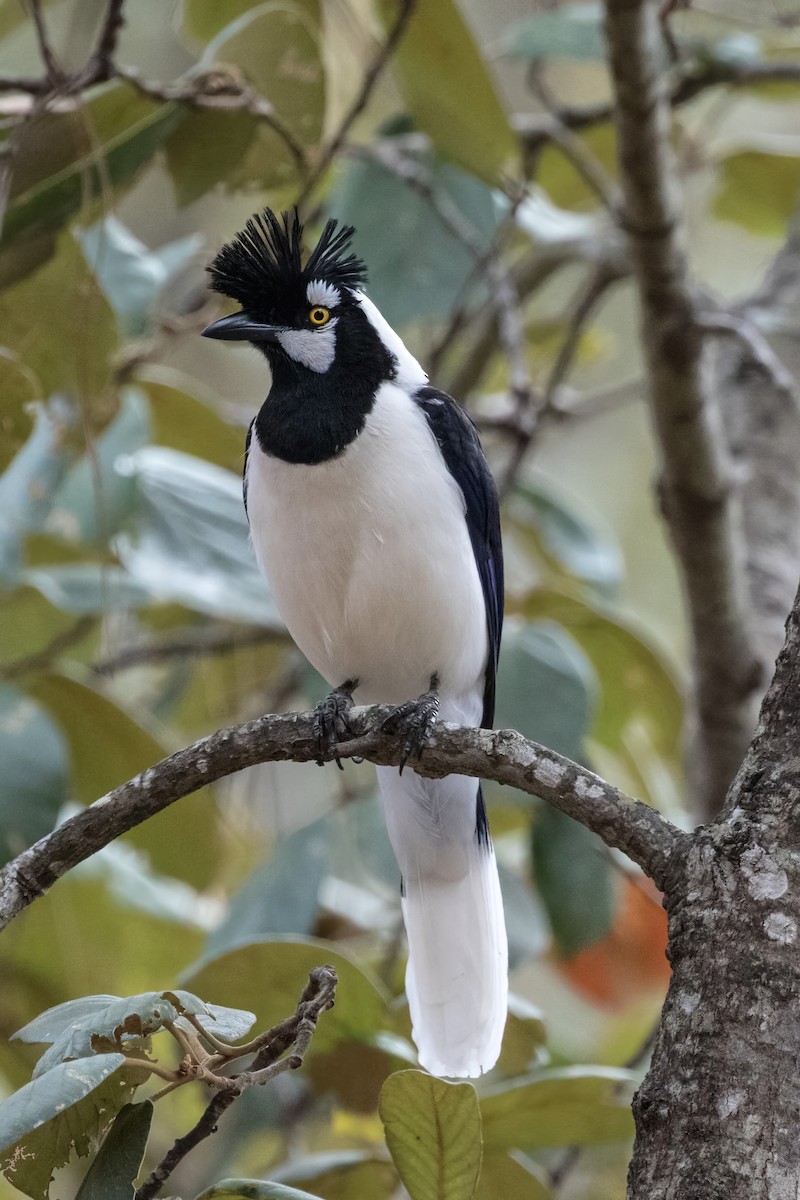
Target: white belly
point(370, 562)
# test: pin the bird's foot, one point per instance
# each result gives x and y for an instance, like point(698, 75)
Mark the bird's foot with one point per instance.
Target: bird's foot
point(415, 719)
point(331, 723)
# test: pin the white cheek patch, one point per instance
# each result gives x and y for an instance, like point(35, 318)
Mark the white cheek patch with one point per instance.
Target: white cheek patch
point(320, 292)
point(314, 348)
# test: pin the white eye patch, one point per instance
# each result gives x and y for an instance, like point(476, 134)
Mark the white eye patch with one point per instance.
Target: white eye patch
point(320, 292)
point(314, 348)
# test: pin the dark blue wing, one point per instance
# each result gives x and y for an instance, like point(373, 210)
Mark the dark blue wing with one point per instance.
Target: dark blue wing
point(244, 466)
point(462, 453)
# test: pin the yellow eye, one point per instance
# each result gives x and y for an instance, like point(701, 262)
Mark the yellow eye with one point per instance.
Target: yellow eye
point(319, 315)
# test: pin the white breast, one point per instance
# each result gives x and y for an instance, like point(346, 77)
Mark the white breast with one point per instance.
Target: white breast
point(370, 562)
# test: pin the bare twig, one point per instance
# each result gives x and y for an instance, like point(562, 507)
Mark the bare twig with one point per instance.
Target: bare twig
point(205, 645)
point(759, 351)
point(535, 129)
point(296, 1031)
point(55, 74)
point(488, 263)
point(43, 659)
point(588, 298)
point(695, 484)
point(500, 755)
point(220, 90)
point(371, 78)
point(100, 66)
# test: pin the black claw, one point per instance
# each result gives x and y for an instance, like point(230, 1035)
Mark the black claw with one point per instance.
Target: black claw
point(331, 723)
point(416, 718)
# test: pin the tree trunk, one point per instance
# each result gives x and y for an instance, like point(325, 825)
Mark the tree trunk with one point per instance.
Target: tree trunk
point(718, 1115)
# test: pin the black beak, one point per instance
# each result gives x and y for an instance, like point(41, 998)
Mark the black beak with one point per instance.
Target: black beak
point(240, 327)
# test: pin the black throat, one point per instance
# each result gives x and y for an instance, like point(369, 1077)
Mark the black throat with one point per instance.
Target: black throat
point(311, 417)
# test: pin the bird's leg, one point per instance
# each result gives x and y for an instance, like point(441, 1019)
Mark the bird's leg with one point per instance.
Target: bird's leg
point(415, 718)
point(330, 720)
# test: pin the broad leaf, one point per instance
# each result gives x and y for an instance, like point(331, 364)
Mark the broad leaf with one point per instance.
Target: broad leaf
point(758, 191)
point(573, 876)
point(94, 500)
point(276, 47)
point(570, 31)
point(192, 540)
point(252, 1189)
point(131, 276)
point(448, 89)
point(30, 481)
point(341, 1175)
point(119, 1159)
point(565, 537)
point(433, 1131)
point(282, 895)
point(34, 781)
point(547, 688)
point(511, 1176)
point(185, 418)
point(417, 267)
point(66, 155)
point(268, 975)
point(74, 358)
point(565, 1106)
point(67, 1109)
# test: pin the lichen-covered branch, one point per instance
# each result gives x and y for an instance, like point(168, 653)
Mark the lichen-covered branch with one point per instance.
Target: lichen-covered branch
point(501, 755)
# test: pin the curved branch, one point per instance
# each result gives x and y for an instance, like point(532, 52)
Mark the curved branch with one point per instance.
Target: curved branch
point(501, 755)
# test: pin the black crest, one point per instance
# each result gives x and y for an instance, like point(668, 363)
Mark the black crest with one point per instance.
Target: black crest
point(262, 268)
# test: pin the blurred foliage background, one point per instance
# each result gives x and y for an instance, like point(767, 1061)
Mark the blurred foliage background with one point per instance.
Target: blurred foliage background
point(132, 615)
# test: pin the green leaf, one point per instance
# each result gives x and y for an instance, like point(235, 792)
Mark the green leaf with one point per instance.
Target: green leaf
point(66, 1109)
point(28, 623)
point(417, 267)
point(572, 31)
point(758, 191)
point(448, 89)
point(192, 541)
point(433, 1131)
point(19, 388)
point(564, 1106)
point(342, 1175)
point(108, 747)
point(30, 481)
point(75, 357)
point(547, 688)
point(573, 878)
point(512, 1176)
point(268, 975)
point(67, 157)
point(186, 419)
point(108, 1029)
point(637, 686)
point(562, 181)
point(100, 1024)
point(131, 276)
point(205, 150)
point(565, 537)
point(34, 781)
point(204, 19)
point(276, 47)
point(95, 500)
point(51, 1024)
point(282, 895)
point(93, 588)
point(119, 1159)
point(251, 1189)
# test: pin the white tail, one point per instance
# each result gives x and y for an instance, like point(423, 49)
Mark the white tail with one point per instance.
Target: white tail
point(457, 975)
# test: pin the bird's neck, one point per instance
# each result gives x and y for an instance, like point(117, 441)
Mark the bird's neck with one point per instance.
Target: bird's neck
point(311, 417)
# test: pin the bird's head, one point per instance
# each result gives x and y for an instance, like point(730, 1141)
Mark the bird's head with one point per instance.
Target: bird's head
point(303, 316)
